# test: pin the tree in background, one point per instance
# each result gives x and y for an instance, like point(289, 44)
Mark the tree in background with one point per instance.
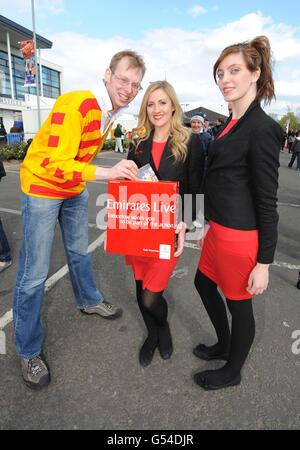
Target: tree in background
point(294, 119)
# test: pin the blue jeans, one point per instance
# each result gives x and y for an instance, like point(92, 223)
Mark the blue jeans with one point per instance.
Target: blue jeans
point(4, 246)
point(294, 156)
point(39, 220)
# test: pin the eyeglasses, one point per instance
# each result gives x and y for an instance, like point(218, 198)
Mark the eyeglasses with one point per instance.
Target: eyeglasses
point(124, 82)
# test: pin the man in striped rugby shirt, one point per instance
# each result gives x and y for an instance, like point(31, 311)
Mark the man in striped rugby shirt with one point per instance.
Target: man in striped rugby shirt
point(53, 180)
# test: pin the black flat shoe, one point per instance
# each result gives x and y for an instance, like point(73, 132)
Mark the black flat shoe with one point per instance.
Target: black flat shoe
point(166, 353)
point(201, 352)
point(200, 378)
point(146, 354)
point(165, 344)
point(145, 358)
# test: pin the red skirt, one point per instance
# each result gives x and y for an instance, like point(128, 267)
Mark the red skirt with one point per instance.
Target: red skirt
point(228, 257)
point(155, 273)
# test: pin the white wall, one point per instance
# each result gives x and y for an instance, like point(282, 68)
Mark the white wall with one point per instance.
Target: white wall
point(30, 114)
point(30, 121)
point(128, 121)
point(8, 118)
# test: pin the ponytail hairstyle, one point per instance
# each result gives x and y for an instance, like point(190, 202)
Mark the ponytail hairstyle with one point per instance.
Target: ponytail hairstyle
point(179, 134)
point(257, 54)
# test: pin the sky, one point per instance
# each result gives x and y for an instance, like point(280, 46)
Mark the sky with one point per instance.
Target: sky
point(179, 40)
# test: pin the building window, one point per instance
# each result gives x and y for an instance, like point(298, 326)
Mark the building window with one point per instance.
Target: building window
point(50, 77)
point(51, 84)
point(5, 90)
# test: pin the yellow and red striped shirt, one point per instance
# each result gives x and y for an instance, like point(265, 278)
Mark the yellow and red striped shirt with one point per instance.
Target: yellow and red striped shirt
point(57, 164)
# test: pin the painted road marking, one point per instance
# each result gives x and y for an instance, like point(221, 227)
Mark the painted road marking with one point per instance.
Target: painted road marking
point(293, 205)
point(12, 211)
point(8, 317)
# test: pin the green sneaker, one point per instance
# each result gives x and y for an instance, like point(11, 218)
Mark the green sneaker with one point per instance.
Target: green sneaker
point(35, 372)
point(105, 310)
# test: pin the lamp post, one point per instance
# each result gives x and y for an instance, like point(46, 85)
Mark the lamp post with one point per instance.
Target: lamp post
point(184, 105)
point(37, 72)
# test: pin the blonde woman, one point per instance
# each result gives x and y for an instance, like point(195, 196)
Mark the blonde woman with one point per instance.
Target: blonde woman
point(164, 143)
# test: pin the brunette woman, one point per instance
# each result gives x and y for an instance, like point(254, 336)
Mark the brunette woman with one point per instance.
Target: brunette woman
point(239, 240)
point(164, 143)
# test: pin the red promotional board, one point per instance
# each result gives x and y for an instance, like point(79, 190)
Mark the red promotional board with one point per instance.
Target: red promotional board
point(142, 218)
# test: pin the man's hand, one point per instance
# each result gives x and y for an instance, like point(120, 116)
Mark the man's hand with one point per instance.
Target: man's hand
point(123, 169)
point(258, 279)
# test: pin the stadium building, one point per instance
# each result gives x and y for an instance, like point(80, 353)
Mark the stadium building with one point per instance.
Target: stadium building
point(18, 104)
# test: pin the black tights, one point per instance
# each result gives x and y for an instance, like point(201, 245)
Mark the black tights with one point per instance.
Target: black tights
point(238, 344)
point(154, 310)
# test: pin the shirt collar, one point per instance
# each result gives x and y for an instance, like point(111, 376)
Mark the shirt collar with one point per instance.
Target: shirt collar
point(105, 104)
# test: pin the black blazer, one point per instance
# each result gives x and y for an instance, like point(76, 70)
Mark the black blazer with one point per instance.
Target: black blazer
point(241, 181)
point(189, 173)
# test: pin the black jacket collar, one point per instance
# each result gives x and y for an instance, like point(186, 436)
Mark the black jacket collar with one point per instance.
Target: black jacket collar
point(252, 106)
point(145, 155)
point(219, 141)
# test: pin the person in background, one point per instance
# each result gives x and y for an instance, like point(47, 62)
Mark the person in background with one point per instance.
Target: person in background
point(53, 180)
point(27, 146)
point(206, 126)
point(205, 138)
point(164, 143)
point(217, 128)
point(291, 139)
point(118, 136)
point(15, 129)
point(197, 122)
point(5, 256)
point(295, 149)
point(238, 242)
point(3, 138)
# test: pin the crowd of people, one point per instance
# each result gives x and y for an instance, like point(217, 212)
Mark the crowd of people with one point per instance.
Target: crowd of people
point(238, 239)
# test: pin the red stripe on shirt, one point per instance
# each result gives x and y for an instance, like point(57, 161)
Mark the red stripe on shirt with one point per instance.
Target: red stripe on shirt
point(77, 176)
point(87, 105)
point(42, 190)
point(53, 141)
point(57, 118)
point(84, 158)
point(91, 143)
point(66, 185)
point(59, 173)
point(45, 162)
point(92, 126)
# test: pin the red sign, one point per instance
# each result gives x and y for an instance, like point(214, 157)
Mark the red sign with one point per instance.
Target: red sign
point(142, 218)
point(27, 48)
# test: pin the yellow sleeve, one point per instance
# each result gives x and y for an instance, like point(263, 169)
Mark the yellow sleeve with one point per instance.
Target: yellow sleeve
point(62, 143)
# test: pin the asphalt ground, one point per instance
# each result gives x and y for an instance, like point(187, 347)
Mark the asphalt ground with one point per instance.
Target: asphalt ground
point(96, 380)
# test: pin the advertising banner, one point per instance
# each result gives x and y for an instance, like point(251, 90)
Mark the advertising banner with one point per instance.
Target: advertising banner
point(27, 48)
